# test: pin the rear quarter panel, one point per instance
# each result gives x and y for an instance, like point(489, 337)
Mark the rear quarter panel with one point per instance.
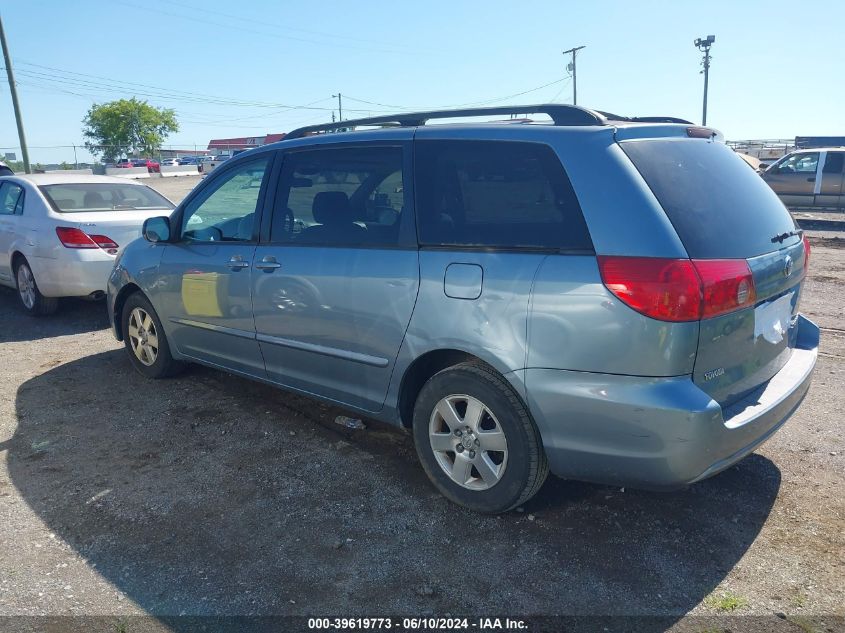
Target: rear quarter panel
point(492, 327)
point(577, 324)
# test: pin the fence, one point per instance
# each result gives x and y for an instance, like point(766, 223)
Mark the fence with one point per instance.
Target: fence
point(73, 157)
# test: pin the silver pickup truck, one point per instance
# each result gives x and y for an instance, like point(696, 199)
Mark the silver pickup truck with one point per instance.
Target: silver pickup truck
point(809, 178)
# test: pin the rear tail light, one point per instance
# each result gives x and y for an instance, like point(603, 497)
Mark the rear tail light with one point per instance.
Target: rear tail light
point(104, 242)
point(726, 285)
point(679, 289)
point(76, 238)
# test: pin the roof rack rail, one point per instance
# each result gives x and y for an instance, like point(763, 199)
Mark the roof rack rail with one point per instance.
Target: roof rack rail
point(560, 114)
point(643, 119)
point(658, 119)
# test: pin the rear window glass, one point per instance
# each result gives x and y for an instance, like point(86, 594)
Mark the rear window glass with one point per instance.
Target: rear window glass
point(719, 207)
point(833, 163)
point(102, 196)
point(496, 194)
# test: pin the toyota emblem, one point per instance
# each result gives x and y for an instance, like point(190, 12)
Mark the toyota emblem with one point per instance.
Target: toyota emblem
point(787, 266)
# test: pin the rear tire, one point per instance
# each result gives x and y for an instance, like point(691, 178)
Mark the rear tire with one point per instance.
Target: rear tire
point(30, 296)
point(145, 341)
point(476, 440)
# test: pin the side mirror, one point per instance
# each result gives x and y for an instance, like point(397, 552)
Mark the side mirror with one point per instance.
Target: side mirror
point(156, 229)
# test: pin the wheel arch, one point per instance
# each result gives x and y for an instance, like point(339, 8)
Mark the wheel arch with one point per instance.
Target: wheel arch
point(17, 256)
point(424, 367)
point(119, 301)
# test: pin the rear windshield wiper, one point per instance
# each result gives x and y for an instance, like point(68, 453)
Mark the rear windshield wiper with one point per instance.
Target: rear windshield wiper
point(780, 238)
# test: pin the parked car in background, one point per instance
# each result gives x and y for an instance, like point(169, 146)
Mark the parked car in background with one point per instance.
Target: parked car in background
point(151, 165)
point(190, 160)
point(209, 163)
point(170, 162)
point(568, 296)
point(60, 234)
point(809, 177)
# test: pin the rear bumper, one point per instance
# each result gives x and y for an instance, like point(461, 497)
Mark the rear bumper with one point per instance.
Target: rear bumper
point(659, 433)
point(78, 274)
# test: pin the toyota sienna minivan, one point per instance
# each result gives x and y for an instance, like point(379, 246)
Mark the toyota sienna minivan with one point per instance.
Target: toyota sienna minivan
point(611, 299)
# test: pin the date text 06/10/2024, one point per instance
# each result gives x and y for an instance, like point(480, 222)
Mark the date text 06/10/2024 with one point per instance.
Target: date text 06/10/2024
point(417, 624)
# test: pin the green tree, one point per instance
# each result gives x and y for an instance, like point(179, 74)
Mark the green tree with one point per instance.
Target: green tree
point(127, 126)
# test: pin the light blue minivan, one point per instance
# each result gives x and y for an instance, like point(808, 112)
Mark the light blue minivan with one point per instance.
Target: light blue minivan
point(613, 299)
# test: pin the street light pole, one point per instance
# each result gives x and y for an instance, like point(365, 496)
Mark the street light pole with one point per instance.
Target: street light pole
point(15, 105)
point(571, 68)
point(704, 44)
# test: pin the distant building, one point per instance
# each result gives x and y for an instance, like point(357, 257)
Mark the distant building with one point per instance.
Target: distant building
point(227, 145)
point(179, 153)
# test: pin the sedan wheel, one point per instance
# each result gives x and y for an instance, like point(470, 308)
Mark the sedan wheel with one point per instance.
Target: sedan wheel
point(143, 336)
point(26, 286)
point(31, 298)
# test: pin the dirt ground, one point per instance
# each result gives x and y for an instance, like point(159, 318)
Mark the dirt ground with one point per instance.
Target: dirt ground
point(208, 494)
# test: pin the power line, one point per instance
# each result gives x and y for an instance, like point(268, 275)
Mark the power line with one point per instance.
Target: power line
point(461, 105)
point(56, 80)
point(560, 92)
point(229, 26)
point(275, 25)
point(114, 85)
point(89, 81)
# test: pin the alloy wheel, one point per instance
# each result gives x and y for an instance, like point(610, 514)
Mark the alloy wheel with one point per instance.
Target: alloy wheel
point(26, 286)
point(143, 336)
point(468, 442)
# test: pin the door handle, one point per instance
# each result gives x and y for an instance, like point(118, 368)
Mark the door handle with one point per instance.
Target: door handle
point(237, 262)
point(268, 264)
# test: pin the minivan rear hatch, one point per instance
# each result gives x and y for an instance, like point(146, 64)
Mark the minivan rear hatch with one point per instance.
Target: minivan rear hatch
point(722, 210)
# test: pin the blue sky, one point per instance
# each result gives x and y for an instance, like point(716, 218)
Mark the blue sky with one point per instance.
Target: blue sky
point(229, 68)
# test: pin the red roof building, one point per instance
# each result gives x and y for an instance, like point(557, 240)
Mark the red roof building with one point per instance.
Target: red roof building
point(243, 142)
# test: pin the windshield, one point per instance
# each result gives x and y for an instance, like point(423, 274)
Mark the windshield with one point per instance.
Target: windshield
point(103, 196)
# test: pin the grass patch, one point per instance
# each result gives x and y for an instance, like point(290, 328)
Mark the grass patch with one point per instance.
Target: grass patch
point(798, 600)
point(726, 602)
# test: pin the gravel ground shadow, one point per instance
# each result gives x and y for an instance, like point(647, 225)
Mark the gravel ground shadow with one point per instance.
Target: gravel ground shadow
point(74, 316)
point(211, 495)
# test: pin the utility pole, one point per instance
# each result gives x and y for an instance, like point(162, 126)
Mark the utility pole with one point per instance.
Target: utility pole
point(704, 44)
point(11, 74)
point(571, 68)
point(339, 107)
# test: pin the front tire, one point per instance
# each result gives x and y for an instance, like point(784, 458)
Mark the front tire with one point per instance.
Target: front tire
point(476, 440)
point(31, 298)
point(144, 338)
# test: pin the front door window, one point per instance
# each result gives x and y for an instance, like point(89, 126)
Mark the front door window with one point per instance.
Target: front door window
point(226, 213)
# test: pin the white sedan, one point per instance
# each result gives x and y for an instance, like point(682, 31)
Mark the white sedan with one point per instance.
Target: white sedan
point(60, 234)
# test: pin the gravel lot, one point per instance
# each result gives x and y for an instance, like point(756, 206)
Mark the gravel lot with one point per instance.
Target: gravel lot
point(211, 495)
